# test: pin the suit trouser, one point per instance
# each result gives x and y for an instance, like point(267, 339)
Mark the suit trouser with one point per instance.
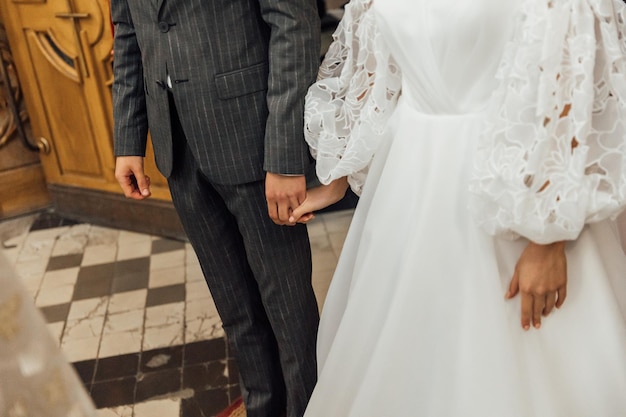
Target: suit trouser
point(321, 8)
point(259, 275)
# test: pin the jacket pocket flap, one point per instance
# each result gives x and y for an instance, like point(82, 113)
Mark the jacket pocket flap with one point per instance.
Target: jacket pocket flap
point(242, 81)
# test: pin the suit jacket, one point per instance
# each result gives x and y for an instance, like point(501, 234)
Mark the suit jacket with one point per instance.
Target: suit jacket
point(239, 71)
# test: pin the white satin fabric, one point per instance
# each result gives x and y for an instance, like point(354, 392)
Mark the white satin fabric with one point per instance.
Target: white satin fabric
point(415, 322)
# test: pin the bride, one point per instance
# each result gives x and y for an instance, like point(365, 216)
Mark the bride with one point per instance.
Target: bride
point(482, 274)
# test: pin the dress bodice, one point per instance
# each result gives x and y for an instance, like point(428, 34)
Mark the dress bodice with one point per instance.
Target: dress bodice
point(543, 80)
point(453, 52)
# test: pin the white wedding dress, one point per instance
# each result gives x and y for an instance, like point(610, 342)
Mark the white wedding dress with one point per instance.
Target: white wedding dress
point(468, 127)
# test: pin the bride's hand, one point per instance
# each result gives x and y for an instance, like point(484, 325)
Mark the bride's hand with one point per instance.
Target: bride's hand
point(541, 278)
point(318, 198)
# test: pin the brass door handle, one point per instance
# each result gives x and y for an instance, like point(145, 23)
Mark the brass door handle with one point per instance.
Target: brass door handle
point(44, 145)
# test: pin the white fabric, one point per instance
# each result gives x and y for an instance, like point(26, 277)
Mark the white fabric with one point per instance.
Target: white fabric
point(415, 322)
point(537, 173)
point(35, 378)
point(554, 154)
point(348, 107)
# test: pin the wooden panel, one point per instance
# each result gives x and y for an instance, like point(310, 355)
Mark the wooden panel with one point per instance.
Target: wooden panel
point(67, 89)
point(147, 216)
point(14, 155)
point(22, 190)
point(68, 121)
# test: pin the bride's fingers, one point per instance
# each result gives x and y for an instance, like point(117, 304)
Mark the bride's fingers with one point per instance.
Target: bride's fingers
point(513, 287)
point(539, 303)
point(562, 292)
point(302, 210)
point(527, 310)
point(550, 302)
point(306, 218)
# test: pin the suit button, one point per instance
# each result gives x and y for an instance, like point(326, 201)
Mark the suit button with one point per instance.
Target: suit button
point(164, 27)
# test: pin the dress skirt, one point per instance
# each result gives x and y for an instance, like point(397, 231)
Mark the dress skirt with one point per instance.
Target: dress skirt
point(415, 323)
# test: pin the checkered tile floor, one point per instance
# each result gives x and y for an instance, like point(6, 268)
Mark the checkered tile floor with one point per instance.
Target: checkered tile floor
point(133, 313)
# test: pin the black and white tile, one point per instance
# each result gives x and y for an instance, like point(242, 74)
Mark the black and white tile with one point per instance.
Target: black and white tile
point(133, 314)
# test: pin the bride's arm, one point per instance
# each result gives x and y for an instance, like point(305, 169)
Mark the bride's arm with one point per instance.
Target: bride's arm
point(553, 157)
point(540, 276)
point(318, 198)
point(347, 109)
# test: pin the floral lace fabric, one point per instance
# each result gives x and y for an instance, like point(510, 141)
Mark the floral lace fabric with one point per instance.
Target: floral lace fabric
point(553, 156)
point(348, 108)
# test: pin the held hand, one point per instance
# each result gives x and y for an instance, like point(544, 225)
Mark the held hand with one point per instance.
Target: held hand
point(318, 198)
point(283, 194)
point(541, 277)
point(129, 173)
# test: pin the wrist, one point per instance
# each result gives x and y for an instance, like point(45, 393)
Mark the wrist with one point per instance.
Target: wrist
point(340, 184)
point(556, 246)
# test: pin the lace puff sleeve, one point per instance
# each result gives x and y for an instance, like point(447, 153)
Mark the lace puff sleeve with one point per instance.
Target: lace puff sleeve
point(553, 156)
point(347, 108)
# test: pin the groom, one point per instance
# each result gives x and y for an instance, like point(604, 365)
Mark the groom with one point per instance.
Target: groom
point(221, 85)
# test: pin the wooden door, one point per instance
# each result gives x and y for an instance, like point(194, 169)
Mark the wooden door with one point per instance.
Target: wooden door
point(62, 50)
point(22, 184)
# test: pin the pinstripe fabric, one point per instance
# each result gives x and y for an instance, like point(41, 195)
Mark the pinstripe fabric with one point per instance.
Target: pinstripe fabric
point(260, 277)
point(239, 70)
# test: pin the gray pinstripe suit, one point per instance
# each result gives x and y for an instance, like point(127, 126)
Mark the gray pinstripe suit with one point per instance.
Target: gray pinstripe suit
point(239, 70)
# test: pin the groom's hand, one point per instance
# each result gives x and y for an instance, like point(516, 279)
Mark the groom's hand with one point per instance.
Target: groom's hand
point(284, 193)
point(131, 177)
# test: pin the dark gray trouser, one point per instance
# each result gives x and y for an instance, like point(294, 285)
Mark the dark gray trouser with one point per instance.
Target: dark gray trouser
point(259, 275)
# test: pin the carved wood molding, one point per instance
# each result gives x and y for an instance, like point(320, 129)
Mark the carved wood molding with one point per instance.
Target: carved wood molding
point(12, 111)
point(56, 54)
